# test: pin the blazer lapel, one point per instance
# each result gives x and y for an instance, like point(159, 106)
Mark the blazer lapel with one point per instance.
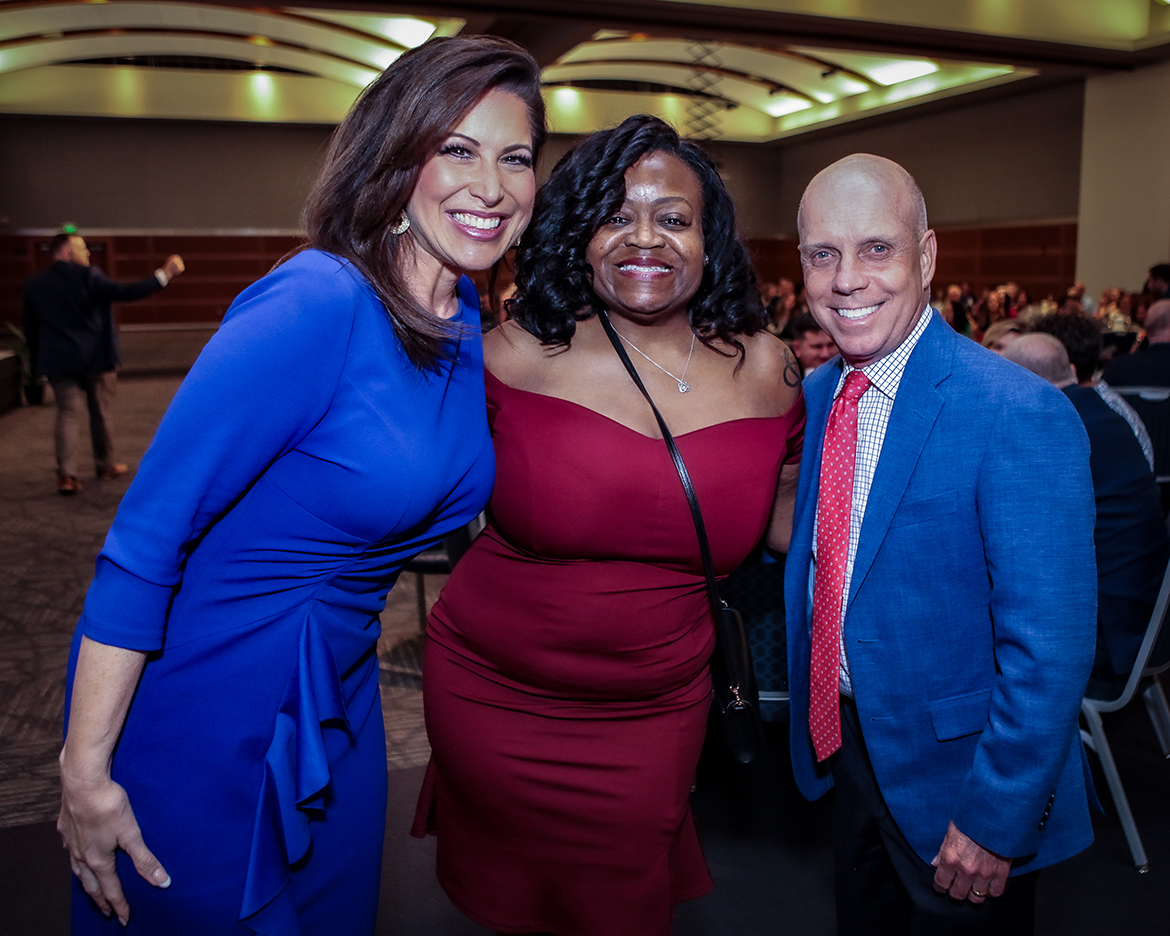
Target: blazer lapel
point(818, 397)
point(818, 401)
point(916, 408)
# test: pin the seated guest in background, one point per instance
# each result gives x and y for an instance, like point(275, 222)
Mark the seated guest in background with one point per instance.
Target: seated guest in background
point(1077, 292)
point(992, 308)
point(1014, 297)
point(938, 695)
point(1001, 334)
point(781, 310)
point(1110, 313)
point(1081, 337)
point(1130, 534)
point(953, 311)
point(1151, 367)
point(1158, 281)
point(811, 344)
point(566, 684)
point(1069, 304)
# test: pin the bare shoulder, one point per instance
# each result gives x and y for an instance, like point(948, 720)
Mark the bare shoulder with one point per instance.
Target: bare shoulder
point(511, 353)
point(770, 369)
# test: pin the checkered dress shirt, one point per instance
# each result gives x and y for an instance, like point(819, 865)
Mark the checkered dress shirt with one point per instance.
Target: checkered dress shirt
point(873, 416)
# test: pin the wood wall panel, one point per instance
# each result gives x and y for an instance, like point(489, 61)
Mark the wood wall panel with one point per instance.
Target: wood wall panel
point(1040, 257)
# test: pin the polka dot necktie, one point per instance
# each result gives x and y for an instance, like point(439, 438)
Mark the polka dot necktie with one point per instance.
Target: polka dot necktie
point(833, 509)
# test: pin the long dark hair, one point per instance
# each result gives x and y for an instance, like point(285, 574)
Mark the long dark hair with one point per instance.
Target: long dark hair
point(375, 157)
point(554, 283)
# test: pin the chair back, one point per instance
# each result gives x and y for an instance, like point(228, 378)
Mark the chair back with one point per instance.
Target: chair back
point(1154, 654)
point(1152, 404)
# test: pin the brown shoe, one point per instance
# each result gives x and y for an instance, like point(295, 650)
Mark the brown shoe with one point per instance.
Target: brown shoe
point(67, 484)
point(113, 471)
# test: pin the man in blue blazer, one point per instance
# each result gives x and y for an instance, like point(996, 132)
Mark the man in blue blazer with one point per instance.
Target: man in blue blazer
point(948, 603)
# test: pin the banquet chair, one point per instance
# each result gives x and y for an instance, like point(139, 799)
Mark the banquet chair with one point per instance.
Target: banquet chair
point(1152, 404)
point(1153, 659)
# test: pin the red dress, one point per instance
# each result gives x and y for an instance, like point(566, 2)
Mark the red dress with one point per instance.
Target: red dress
point(566, 683)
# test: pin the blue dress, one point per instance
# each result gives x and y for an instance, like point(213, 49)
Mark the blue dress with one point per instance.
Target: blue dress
point(301, 464)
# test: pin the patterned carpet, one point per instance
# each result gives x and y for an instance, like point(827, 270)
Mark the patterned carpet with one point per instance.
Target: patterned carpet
point(48, 544)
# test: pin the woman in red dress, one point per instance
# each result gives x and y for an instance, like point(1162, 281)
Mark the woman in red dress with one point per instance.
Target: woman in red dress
point(566, 681)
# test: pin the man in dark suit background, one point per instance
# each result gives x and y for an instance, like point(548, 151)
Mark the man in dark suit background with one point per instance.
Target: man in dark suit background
point(1130, 533)
point(1151, 367)
point(940, 588)
point(72, 340)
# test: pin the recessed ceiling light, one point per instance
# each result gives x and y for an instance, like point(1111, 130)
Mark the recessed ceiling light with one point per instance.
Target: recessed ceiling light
point(894, 72)
point(785, 104)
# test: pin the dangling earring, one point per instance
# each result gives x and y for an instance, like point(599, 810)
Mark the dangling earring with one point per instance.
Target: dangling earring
point(402, 225)
point(706, 259)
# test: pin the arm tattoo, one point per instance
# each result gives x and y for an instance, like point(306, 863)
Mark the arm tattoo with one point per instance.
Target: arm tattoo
point(791, 369)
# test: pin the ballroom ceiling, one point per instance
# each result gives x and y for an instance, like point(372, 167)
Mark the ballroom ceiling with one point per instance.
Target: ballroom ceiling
point(744, 70)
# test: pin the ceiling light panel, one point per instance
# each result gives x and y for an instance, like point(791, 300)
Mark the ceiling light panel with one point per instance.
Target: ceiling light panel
point(339, 41)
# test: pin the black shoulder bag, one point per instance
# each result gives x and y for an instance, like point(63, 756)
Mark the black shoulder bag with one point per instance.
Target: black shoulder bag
point(732, 675)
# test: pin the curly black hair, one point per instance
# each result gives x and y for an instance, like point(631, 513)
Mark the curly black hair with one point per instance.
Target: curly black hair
point(1081, 337)
point(554, 282)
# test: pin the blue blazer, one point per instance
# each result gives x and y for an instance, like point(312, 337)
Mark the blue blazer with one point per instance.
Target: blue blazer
point(971, 618)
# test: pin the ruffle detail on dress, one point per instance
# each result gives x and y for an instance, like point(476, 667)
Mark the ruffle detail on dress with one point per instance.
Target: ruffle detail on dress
point(296, 776)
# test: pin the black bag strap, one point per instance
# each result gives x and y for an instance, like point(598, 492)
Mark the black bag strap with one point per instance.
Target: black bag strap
point(717, 603)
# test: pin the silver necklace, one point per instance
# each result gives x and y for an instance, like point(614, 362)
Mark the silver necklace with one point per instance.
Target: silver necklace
point(683, 386)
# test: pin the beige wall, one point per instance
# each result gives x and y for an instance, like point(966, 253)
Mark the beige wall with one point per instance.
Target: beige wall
point(1124, 221)
point(157, 175)
point(1012, 159)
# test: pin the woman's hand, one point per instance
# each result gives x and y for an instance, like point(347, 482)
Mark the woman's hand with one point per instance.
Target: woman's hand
point(96, 821)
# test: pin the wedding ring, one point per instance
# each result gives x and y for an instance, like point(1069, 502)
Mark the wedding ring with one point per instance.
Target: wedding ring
point(975, 893)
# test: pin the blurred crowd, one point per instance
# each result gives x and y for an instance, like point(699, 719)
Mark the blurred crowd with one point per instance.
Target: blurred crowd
point(992, 317)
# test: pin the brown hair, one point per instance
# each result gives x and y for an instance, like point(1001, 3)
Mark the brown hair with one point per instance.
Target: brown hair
point(59, 241)
point(377, 153)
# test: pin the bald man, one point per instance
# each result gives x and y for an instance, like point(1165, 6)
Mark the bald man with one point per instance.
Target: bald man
point(1130, 533)
point(940, 590)
point(1149, 368)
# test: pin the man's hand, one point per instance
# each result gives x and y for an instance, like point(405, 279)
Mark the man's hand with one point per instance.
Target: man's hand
point(174, 266)
point(967, 871)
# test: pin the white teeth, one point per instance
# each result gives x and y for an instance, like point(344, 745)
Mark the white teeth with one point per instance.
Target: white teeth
point(475, 221)
point(643, 269)
point(856, 313)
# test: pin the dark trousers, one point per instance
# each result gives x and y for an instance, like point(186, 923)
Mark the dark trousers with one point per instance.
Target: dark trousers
point(86, 397)
point(883, 886)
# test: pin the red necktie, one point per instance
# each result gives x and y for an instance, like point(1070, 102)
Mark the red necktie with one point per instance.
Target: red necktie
point(833, 508)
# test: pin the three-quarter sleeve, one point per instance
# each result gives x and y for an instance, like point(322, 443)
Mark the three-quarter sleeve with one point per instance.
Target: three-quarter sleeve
point(260, 386)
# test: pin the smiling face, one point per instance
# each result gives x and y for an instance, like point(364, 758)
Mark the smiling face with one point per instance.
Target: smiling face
point(647, 259)
point(867, 262)
point(813, 349)
point(474, 197)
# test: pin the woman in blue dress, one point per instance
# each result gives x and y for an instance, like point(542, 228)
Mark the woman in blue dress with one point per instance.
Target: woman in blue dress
point(224, 768)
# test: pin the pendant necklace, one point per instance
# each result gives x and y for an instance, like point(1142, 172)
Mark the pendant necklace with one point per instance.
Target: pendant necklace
point(683, 386)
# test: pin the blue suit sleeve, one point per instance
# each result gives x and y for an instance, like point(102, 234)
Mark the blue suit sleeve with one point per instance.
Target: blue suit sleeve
point(1036, 510)
point(259, 387)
